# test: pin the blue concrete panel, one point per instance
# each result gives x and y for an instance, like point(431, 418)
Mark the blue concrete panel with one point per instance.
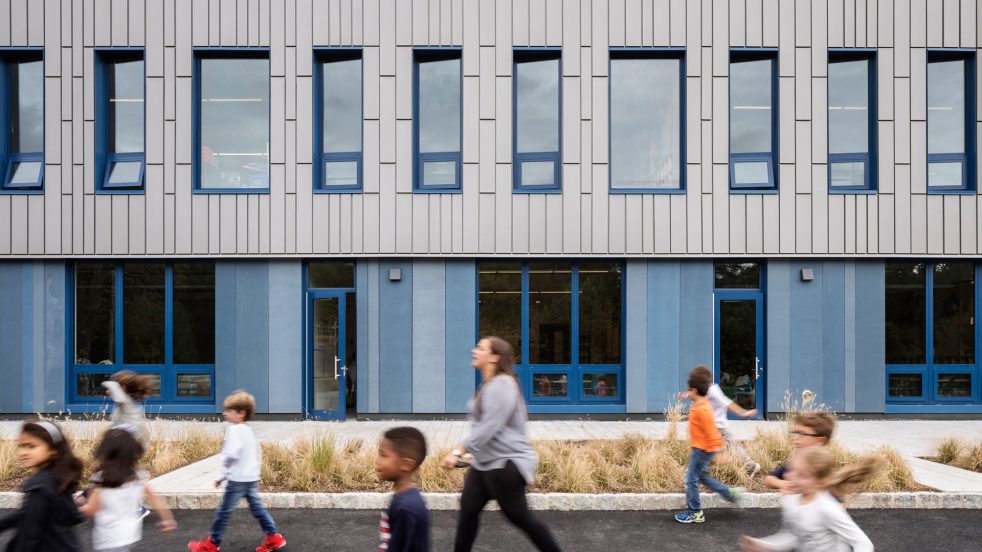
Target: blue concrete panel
point(395, 338)
point(33, 383)
point(806, 331)
point(636, 336)
point(663, 333)
point(55, 363)
point(429, 336)
point(363, 376)
point(870, 337)
point(696, 334)
point(286, 324)
point(225, 329)
point(374, 277)
point(461, 313)
point(778, 359)
point(831, 276)
point(12, 336)
point(252, 331)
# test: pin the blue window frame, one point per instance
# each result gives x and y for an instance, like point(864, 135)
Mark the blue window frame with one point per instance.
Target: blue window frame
point(22, 118)
point(536, 125)
point(932, 340)
point(564, 321)
point(951, 120)
point(120, 120)
point(852, 120)
point(753, 120)
point(338, 117)
point(231, 120)
point(437, 116)
point(647, 120)
point(153, 318)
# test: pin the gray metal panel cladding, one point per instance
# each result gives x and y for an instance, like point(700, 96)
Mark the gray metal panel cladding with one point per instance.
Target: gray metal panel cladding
point(487, 218)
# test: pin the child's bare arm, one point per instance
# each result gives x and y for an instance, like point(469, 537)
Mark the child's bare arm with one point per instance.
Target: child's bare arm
point(776, 483)
point(167, 522)
point(739, 410)
point(92, 504)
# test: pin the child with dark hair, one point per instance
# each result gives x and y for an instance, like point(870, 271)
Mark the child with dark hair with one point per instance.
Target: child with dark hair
point(47, 514)
point(706, 441)
point(405, 525)
point(117, 493)
point(127, 389)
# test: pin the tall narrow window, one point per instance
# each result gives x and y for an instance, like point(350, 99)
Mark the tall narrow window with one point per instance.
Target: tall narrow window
point(438, 113)
point(232, 121)
point(950, 121)
point(22, 116)
point(120, 120)
point(537, 112)
point(753, 120)
point(852, 121)
point(646, 114)
point(338, 138)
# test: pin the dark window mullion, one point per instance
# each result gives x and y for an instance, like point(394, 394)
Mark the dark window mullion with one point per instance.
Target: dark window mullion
point(118, 301)
point(169, 315)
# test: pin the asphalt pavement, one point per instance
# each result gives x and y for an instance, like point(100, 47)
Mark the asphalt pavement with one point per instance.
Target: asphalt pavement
point(341, 530)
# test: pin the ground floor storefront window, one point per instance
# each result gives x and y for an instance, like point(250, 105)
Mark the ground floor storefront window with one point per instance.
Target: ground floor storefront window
point(931, 335)
point(564, 320)
point(150, 317)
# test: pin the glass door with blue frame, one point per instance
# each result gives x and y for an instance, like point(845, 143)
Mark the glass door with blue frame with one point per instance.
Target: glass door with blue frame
point(739, 347)
point(326, 356)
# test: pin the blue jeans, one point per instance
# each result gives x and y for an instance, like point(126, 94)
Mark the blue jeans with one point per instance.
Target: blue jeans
point(698, 472)
point(234, 492)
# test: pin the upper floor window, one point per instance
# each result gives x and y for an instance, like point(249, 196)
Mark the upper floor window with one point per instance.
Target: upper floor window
point(753, 120)
point(646, 114)
point(22, 114)
point(852, 121)
point(338, 109)
point(231, 91)
point(438, 116)
point(950, 120)
point(119, 120)
point(537, 165)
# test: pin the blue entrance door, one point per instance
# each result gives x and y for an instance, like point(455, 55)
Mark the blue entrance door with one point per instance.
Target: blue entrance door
point(740, 347)
point(326, 356)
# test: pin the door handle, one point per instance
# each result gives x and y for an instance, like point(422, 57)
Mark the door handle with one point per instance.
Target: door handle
point(756, 368)
point(336, 361)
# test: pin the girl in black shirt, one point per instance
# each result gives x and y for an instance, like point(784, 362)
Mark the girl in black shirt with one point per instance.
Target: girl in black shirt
point(48, 514)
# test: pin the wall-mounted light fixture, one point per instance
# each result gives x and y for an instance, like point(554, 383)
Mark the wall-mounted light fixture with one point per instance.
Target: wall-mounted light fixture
point(807, 275)
point(395, 274)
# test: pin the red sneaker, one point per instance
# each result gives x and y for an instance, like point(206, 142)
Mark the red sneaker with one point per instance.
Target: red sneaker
point(204, 545)
point(271, 542)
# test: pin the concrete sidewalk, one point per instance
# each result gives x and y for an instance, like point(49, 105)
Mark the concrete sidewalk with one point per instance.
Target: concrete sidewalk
point(914, 439)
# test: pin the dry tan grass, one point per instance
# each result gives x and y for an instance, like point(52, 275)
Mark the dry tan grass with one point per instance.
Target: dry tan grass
point(183, 446)
point(632, 464)
point(959, 453)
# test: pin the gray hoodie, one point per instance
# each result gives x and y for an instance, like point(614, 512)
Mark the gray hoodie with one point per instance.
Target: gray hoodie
point(498, 431)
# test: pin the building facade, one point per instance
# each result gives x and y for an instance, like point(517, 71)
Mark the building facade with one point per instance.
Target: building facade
point(326, 202)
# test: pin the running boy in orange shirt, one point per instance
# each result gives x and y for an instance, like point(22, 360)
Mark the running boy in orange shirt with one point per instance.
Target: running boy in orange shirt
point(706, 441)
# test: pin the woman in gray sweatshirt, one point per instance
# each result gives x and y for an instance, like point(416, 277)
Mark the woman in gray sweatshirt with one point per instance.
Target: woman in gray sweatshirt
point(504, 459)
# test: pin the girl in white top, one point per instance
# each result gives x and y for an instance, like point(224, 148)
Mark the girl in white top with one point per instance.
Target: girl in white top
point(117, 492)
point(812, 519)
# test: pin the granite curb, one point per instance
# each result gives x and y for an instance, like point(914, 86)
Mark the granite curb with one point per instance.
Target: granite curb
point(558, 501)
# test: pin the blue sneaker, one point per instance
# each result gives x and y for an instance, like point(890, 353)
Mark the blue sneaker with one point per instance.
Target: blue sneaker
point(690, 516)
point(737, 496)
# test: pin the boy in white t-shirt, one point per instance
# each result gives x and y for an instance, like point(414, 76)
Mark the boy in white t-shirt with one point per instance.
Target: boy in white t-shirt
point(721, 404)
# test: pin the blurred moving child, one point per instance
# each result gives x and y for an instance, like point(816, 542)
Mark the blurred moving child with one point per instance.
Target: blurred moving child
point(706, 442)
point(117, 492)
point(47, 515)
point(240, 466)
point(811, 429)
point(405, 525)
point(127, 389)
point(721, 404)
point(812, 518)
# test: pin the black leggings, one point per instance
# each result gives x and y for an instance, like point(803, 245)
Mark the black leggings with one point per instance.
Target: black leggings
point(507, 486)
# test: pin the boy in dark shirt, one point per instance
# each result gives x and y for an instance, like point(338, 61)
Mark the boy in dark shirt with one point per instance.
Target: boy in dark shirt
point(405, 525)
